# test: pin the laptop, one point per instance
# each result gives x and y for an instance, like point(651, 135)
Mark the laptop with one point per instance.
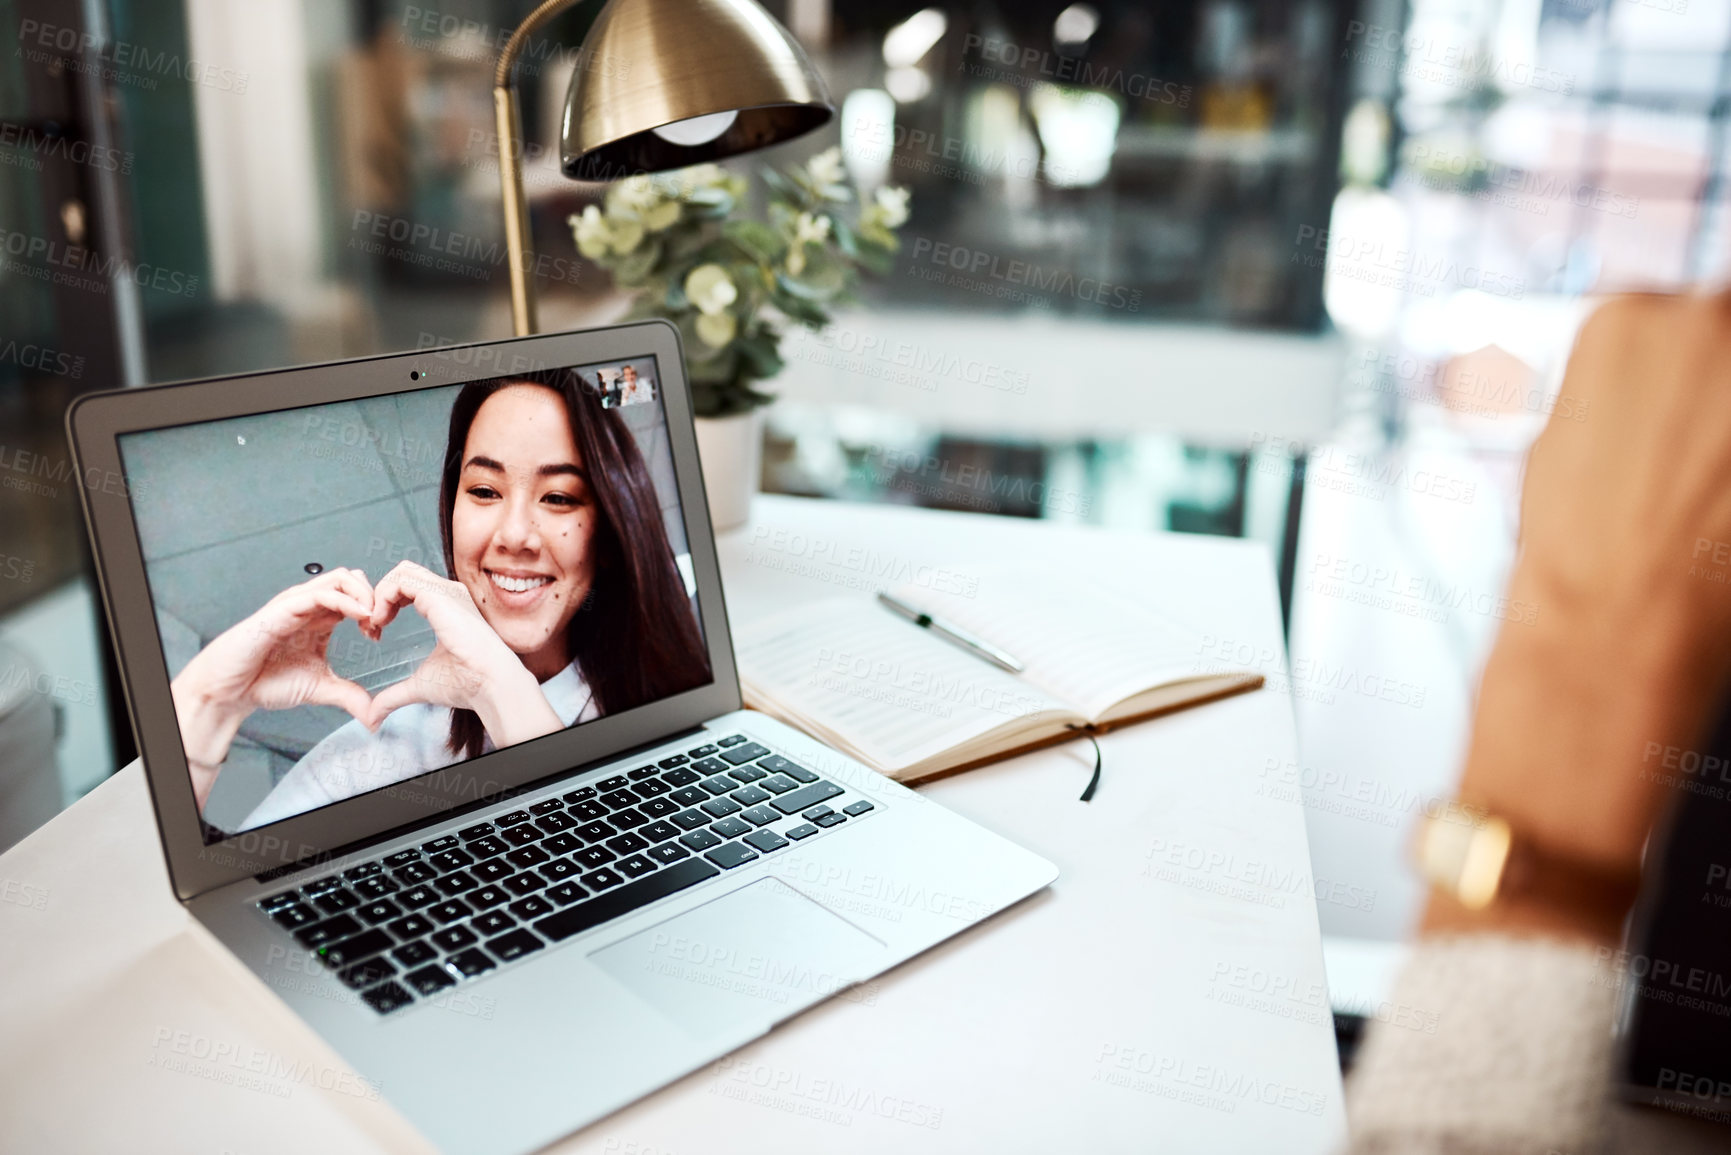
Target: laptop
point(432, 679)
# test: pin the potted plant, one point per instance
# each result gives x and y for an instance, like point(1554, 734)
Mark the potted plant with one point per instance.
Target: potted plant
point(684, 244)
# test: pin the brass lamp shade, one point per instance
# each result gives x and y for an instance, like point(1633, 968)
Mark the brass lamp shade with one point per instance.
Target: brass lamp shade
point(650, 63)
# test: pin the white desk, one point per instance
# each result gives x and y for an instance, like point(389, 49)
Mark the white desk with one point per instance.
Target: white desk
point(1166, 993)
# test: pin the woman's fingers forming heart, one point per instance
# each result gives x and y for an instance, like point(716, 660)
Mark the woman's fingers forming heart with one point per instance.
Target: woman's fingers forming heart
point(331, 690)
point(405, 585)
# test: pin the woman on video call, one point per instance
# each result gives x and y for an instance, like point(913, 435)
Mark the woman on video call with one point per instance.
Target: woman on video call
point(562, 603)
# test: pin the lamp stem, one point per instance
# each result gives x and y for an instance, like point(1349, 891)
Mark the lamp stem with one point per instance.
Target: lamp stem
point(508, 126)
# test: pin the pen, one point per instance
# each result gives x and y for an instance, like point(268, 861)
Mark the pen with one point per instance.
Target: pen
point(953, 633)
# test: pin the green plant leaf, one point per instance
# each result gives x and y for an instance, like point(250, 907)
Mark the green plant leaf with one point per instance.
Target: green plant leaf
point(755, 239)
point(783, 186)
point(844, 236)
point(759, 356)
point(635, 266)
point(877, 260)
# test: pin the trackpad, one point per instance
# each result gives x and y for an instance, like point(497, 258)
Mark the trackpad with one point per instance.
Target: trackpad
point(750, 958)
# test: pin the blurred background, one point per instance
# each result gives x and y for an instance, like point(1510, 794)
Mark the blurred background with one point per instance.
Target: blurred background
point(1301, 271)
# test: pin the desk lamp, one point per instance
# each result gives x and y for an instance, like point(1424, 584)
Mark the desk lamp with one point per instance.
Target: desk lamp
point(660, 84)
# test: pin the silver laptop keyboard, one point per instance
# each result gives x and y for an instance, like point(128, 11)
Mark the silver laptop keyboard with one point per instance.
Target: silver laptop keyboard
point(412, 924)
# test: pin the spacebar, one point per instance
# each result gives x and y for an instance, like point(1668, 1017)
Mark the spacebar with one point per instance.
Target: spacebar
point(576, 919)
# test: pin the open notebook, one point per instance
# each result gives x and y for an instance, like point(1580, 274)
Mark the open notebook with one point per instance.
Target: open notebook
point(910, 704)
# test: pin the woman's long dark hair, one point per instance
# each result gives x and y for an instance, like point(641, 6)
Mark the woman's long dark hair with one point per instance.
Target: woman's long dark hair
point(634, 637)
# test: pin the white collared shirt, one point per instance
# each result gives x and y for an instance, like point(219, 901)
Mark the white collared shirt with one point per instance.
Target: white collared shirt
point(411, 741)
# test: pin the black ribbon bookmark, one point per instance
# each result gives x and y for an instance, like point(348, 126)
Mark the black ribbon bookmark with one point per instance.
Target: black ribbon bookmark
point(1094, 782)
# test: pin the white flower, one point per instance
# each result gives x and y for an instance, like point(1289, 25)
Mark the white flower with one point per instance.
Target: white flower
point(627, 234)
point(892, 206)
point(826, 168)
point(807, 229)
point(593, 235)
point(716, 329)
point(712, 291)
point(702, 176)
point(661, 216)
point(635, 194)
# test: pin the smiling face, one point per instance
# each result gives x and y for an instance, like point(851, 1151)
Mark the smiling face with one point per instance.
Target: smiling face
point(523, 524)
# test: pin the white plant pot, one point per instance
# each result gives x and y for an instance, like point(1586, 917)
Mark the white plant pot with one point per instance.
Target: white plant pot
point(731, 449)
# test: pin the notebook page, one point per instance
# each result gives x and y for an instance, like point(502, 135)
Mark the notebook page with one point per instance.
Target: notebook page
point(885, 687)
point(1085, 645)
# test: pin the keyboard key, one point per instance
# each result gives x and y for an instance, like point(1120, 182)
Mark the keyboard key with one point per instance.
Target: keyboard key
point(776, 764)
point(589, 811)
point(548, 806)
point(377, 886)
point(778, 784)
point(580, 795)
point(654, 788)
point(448, 911)
point(730, 854)
point(659, 807)
point(451, 860)
point(470, 963)
point(806, 797)
point(613, 783)
point(355, 948)
point(720, 784)
point(857, 808)
point(403, 857)
point(635, 866)
point(670, 763)
point(658, 831)
point(764, 840)
point(454, 938)
point(684, 776)
point(323, 886)
point(750, 795)
point(528, 856)
point(749, 752)
point(368, 972)
point(488, 846)
point(554, 823)
point(418, 896)
point(534, 906)
point(601, 879)
point(557, 869)
point(747, 773)
point(690, 796)
point(296, 916)
point(703, 751)
point(493, 922)
point(373, 913)
point(411, 927)
point(448, 842)
point(525, 883)
point(364, 870)
point(627, 818)
point(513, 946)
point(592, 856)
point(457, 883)
point(429, 980)
point(488, 897)
point(831, 819)
point(387, 997)
point(626, 843)
point(523, 835)
point(493, 870)
point(816, 812)
point(562, 843)
point(413, 954)
point(641, 773)
point(701, 839)
point(566, 893)
point(596, 831)
point(706, 767)
point(512, 818)
point(668, 852)
point(732, 827)
point(470, 833)
point(690, 819)
point(330, 930)
point(417, 871)
point(337, 900)
point(803, 830)
point(761, 816)
point(731, 740)
point(721, 807)
point(576, 919)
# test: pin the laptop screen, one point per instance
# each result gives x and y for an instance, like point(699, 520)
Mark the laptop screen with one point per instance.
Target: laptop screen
point(353, 595)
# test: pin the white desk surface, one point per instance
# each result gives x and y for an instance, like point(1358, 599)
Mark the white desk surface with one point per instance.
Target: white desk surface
point(1167, 993)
